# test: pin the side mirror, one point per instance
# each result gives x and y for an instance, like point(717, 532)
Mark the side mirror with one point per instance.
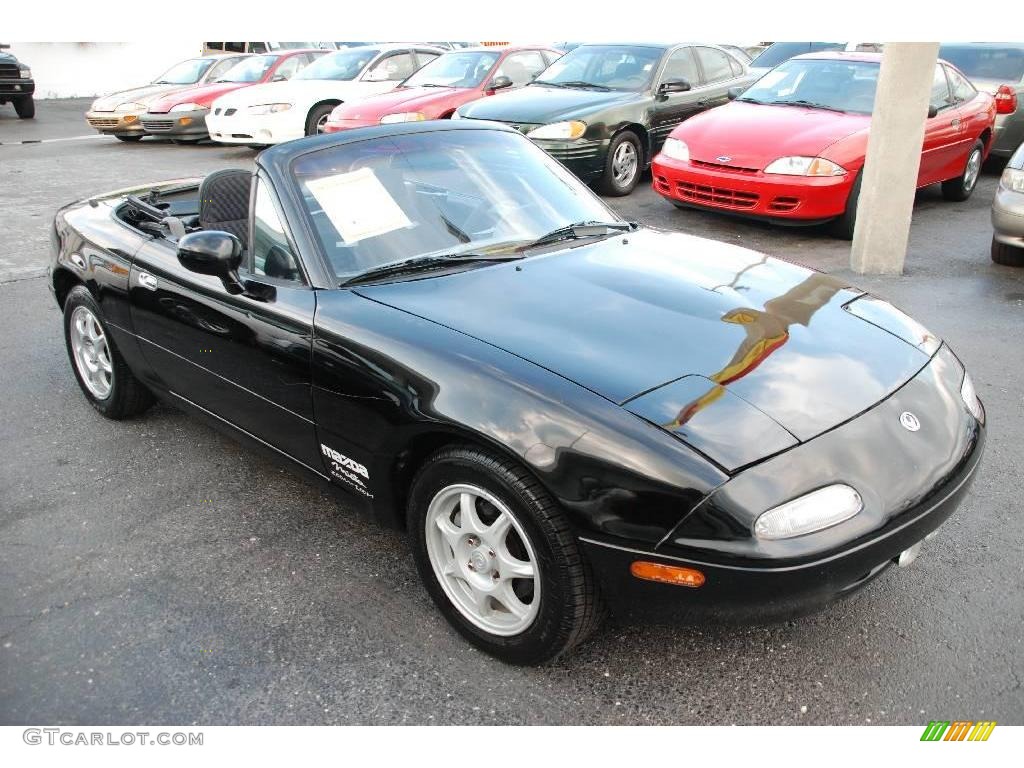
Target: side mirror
point(735, 92)
point(932, 110)
point(674, 86)
point(210, 252)
point(501, 81)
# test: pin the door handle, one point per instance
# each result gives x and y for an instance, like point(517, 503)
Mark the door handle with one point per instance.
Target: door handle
point(146, 280)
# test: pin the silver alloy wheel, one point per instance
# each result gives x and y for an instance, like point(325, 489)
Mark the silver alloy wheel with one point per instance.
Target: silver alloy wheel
point(973, 169)
point(624, 163)
point(322, 122)
point(91, 352)
point(472, 561)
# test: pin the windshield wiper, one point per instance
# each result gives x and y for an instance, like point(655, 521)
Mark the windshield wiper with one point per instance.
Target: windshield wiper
point(748, 100)
point(425, 263)
point(582, 229)
point(583, 84)
point(805, 103)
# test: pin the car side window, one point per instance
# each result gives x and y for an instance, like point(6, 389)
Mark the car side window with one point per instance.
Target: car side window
point(941, 97)
point(271, 254)
point(288, 67)
point(962, 89)
point(682, 65)
point(425, 57)
point(393, 68)
point(715, 64)
point(521, 67)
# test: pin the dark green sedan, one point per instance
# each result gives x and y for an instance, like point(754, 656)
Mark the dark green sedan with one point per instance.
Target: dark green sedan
point(605, 110)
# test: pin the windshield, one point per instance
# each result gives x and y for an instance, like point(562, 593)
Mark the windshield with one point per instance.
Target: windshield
point(381, 201)
point(249, 70)
point(986, 62)
point(343, 65)
point(457, 70)
point(776, 53)
point(185, 72)
point(615, 67)
point(846, 86)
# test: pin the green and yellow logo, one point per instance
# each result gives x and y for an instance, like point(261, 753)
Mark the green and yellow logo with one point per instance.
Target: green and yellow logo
point(958, 730)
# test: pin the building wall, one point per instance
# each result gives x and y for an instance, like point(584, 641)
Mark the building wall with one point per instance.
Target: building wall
point(66, 70)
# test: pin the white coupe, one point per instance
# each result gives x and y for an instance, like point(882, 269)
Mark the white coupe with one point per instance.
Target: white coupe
point(274, 112)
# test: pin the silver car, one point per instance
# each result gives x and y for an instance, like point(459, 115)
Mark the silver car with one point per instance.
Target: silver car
point(996, 68)
point(1008, 214)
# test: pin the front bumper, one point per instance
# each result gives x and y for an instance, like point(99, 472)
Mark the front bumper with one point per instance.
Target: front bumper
point(911, 482)
point(239, 127)
point(115, 123)
point(584, 157)
point(799, 199)
point(14, 89)
point(191, 124)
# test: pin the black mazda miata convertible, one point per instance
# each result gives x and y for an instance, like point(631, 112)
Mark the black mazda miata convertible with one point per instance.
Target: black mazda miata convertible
point(566, 411)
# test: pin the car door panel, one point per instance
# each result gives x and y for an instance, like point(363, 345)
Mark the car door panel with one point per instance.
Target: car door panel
point(941, 133)
point(671, 109)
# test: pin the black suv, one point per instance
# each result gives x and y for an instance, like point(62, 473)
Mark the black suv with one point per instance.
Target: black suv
point(16, 84)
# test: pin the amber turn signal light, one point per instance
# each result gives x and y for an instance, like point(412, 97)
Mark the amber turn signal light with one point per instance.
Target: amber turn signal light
point(667, 574)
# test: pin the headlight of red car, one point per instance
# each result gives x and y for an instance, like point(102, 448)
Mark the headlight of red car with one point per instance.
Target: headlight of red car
point(676, 149)
point(805, 166)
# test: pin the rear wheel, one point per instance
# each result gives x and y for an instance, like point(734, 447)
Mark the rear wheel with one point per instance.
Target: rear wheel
point(1007, 255)
point(498, 557)
point(103, 376)
point(127, 137)
point(25, 106)
point(960, 188)
point(317, 119)
point(622, 166)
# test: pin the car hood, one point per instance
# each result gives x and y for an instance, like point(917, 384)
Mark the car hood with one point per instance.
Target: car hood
point(203, 95)
point(294, 91)
point(544, 104)
point(406, 100)
point(144, 95)
point(626, 316)
point(753, 135)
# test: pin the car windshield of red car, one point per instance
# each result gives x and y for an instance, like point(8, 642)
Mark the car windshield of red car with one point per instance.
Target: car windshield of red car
point(249, 70)
point(454, 70)
point(831, 84)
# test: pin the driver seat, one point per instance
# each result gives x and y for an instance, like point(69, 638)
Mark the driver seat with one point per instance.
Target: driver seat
point(224, 202)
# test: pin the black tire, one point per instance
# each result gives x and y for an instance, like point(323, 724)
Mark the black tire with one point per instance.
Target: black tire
point(315, 116)
point(25, 106)
point(127, 137)
point(843, 226)
point(186, 142)
point(608, 184)
point(128, 397)
point(258, 147)
point(1007, 255)
point(570, 608)
point(959, 189)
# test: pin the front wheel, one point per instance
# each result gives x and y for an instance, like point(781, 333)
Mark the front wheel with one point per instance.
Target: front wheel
point(104, 377)
point(622, 166)
point(498, 557)
point(843, 226)
point(317, 119)
point(1007, 255)
point(960, 188)
point(25, 106)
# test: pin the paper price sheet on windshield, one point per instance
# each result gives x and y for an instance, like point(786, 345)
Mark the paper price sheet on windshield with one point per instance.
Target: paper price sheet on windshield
point(358, 205)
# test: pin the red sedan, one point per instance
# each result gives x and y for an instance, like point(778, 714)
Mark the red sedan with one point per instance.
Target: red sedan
point(181, 115)
point(445, 84)
point(791, 147)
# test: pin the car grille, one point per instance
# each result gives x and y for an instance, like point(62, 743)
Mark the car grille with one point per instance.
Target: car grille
point(227, 112)
point(783, 204)
point(722, 167)
point(721, 197)
point(158, 125)
point(104, 122)
point(9, 71)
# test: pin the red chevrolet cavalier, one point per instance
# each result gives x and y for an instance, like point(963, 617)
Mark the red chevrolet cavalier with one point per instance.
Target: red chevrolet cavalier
point(181, 115)
point(791, 147)
point(445, 84)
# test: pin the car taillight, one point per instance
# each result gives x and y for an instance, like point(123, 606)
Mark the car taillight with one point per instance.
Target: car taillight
point(1006, 100)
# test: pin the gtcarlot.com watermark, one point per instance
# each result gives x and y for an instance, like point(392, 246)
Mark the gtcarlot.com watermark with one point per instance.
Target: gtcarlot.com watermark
point(73, 738)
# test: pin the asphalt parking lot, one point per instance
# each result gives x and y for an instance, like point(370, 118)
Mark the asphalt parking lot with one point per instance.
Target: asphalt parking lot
point(153, 571)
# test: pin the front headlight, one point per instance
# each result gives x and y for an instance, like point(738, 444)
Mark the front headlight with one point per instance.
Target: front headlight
point(187, 107)
point(268, 109)
point(1012, 179)
point(403, 117)
point(805, 166)
point(130, 106)
point(676, 149)
point(970, 398)
point(24, 72)
point(571, 129)
point(812, 512)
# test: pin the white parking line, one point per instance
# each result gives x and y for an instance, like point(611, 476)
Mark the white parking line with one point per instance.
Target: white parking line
point(50, 141)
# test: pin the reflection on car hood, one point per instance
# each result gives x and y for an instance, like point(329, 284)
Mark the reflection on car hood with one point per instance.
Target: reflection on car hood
point(753, 135)
point(545, 104)
point(624, 316)
point(144, 95)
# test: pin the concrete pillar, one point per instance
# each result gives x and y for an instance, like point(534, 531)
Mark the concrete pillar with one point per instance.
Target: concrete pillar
point(894, 154)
